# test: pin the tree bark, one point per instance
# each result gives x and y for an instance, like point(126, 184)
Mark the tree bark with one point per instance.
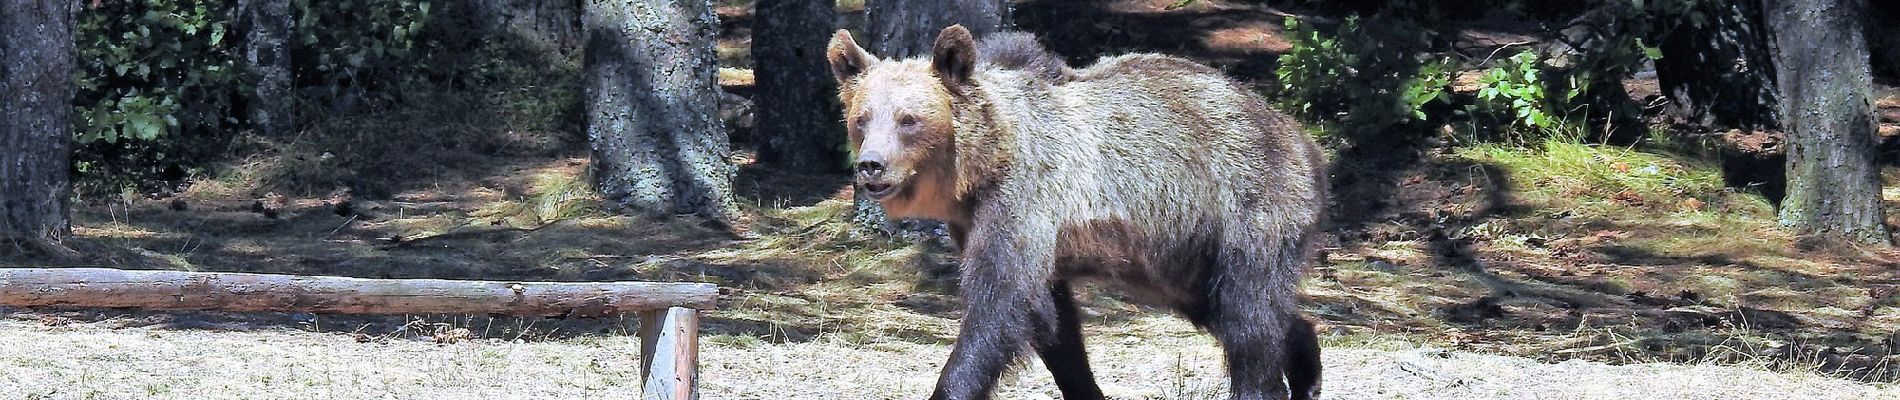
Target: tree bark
point(242, 292)
point(36, 105)
point(652, 106)
point(551, 28)
point(1718, 74)
point(268, 27)
point(897, 29)
point(1822, 70)
point(798, 121)
point(907, 28)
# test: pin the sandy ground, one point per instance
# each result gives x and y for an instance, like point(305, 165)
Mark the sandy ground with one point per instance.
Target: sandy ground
point(90, 361)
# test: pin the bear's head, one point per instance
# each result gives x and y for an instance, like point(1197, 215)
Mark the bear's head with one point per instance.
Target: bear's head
point(900, 118)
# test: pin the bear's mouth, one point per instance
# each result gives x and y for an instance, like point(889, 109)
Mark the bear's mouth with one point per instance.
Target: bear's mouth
point(879, 190)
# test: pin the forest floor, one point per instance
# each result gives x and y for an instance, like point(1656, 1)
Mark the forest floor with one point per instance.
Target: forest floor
point(1554, 270)
point(183, 357)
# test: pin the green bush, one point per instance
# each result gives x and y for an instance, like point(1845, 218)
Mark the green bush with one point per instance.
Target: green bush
point(370, 63)
point(157, 87)
point(1513, 101)
point(1368, 78)
point(152, 69)
point(1523, 98)
point(162, 88)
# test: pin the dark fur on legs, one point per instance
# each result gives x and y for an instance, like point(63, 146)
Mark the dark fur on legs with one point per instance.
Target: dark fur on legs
point(1250, 324)
point(1001, 315)
point(1062, 351)
point(1302, 361)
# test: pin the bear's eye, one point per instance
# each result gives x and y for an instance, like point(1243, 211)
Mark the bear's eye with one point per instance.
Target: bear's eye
point(907, 121)
point(859, 122)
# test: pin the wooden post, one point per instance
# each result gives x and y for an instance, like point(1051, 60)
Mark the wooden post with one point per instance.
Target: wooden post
point(669, 354)
point(179, 290)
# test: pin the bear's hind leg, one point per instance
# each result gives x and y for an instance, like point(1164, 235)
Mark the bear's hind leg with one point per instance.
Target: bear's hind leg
point(1302, 359)
point(1062, 350)
point(1250, 298)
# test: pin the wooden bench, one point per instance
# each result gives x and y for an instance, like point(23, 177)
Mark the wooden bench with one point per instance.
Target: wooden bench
point(669, 312)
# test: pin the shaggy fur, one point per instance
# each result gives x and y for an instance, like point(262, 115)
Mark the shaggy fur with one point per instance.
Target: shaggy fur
point(1148, 173)
point(1021, 51)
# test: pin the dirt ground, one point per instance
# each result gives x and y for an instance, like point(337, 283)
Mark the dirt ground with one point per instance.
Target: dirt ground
point(97, 360)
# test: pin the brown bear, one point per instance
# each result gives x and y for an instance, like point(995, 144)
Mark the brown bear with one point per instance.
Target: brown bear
point(1146, 173)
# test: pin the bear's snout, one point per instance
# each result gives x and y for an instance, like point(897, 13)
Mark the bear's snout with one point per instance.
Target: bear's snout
point(870, 164)
point(870, 175)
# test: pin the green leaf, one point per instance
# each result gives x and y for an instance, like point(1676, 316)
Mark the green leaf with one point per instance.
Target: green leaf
point(143, 127)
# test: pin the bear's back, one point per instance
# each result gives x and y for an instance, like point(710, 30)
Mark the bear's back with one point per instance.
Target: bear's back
point(1155, 137)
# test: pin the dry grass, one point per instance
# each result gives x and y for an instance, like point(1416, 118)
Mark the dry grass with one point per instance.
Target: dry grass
point(1146, 358)
point(1570, 250)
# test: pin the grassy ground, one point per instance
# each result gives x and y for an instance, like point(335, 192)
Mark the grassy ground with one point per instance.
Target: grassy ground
point(1145, 358)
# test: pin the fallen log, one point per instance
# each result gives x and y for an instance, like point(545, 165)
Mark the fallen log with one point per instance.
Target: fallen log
point(243, 292)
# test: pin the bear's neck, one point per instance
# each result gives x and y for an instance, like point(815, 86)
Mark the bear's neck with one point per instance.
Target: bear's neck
point(982, 144)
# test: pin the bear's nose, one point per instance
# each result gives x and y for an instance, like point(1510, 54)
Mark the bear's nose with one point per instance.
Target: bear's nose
point(870, 164)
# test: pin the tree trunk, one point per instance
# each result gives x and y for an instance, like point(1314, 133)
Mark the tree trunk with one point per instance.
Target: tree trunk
point(798, 121)
point(652, 106)
point(1718, 75)
point(268, 27)
point(242, 292)
point(551, 28)
point(896, 29)
point(36, 105)
point(1820, 55)
point(907, 28)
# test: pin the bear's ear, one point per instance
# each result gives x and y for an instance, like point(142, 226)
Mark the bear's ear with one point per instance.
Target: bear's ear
point(847, 59)
point(954, 58)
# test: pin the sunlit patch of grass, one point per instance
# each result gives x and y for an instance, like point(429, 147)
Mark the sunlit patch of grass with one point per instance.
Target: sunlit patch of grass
point(733, 53)
point(1374, 341)
point(850, 5)
point(1605, 180)
point(1720, 288)
point(120, 230)
point(729, 77)
point(1672, 206)
point(862, 278)
point(552, 194)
